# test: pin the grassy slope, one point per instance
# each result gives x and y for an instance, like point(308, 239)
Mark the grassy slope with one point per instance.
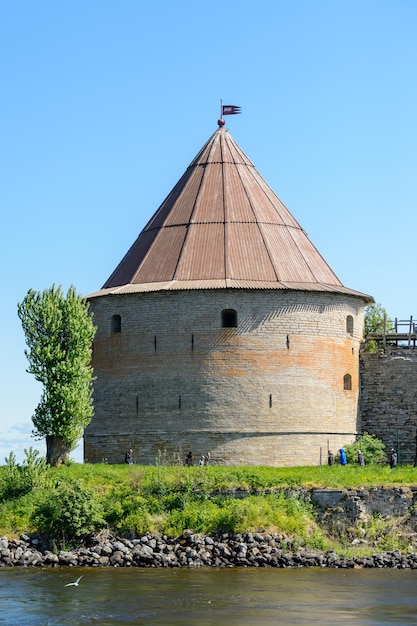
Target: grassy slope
point(167, 499)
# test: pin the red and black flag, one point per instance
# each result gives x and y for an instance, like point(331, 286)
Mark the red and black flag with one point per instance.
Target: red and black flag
point(230, 109)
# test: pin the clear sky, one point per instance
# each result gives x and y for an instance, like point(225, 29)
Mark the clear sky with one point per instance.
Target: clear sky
point(105, 103)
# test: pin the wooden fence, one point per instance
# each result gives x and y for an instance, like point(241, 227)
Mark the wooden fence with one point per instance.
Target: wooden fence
point(397, 331)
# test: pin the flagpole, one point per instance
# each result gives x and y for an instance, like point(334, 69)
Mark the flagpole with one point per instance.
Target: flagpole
point(221, 107)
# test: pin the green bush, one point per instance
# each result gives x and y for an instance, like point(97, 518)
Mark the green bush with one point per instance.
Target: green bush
point(69, 512)
point(18, 480)
point(277, 513)
point(16, 515)
point(138, 523)
point(373, 450)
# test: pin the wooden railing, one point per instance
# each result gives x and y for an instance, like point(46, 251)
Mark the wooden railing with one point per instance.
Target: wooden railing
point(396, 331)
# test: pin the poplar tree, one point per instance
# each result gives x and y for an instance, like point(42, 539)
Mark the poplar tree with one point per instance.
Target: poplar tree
point(59, 334)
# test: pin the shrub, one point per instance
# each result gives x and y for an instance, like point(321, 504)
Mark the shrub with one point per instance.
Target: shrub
point(199, 515)
point(69, 513)
point(138, 523)
point(373, 449)
point(18, 480)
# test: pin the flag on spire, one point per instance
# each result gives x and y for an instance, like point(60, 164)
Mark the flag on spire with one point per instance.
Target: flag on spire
point(230, 109)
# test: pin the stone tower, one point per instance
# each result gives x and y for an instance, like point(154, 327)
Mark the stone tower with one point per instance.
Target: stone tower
point(223, 329)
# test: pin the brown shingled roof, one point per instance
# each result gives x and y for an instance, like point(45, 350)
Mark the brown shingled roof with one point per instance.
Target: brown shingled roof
point(222, 226)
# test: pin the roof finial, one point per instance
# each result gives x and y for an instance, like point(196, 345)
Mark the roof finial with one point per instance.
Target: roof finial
point(221, 122)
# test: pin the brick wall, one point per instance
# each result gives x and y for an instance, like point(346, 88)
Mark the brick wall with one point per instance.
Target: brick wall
point(270, 391)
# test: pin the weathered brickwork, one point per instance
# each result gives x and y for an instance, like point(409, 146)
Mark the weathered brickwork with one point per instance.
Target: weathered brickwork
point(388, 401)
point(270, 391)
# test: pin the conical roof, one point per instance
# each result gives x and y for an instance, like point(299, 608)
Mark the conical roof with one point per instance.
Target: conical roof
point(222, 226)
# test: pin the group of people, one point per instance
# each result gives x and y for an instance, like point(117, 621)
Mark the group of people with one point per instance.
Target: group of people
point(203, 460)
point(189, 460)
point(393, 460)
point(343, 458)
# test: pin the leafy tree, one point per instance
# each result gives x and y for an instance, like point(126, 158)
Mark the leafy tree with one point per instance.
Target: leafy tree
point(59, 334)
point(375, 318)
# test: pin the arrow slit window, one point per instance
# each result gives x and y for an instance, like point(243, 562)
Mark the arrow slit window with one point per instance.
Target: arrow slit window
point(116, 324)
point(229, 318)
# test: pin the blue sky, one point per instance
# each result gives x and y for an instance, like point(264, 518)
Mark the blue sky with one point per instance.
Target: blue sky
point(105, 103)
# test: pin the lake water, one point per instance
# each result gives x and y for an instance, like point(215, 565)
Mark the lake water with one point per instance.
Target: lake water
point(207, 596)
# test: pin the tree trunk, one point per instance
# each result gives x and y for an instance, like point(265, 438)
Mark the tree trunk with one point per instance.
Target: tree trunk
point(57, 451)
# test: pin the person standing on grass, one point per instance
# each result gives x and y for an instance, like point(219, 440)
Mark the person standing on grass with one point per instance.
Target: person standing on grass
point(189, 459)
point(393, 459)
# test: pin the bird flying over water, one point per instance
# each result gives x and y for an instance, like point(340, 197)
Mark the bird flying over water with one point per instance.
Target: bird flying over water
point(75, 583)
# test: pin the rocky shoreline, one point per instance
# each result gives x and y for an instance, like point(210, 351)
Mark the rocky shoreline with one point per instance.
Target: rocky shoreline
point(189, 550)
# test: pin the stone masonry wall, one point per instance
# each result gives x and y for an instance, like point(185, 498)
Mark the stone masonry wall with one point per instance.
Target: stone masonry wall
point(388, 400)
point(270, 391)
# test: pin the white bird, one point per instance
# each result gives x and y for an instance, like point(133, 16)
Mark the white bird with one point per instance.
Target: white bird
point(75, 583)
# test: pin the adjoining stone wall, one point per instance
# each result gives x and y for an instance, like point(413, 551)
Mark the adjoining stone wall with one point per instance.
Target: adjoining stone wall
point(355, 505)
point(270, 391)
point(388, 401)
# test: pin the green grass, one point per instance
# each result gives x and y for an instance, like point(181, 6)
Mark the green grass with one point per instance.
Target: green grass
point(101, 477)
point(168, 499)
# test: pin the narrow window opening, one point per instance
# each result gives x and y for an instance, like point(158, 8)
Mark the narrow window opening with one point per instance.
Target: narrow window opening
point(229, 318)
point(116, 324)
point(192, 342)
point(349, 325)
point(288, 342)
point(270, 400)
point(154, 342)
point(179, 402)
point(347, 382)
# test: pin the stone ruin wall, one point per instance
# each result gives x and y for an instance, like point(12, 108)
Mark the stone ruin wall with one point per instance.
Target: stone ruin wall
point(388, 399)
